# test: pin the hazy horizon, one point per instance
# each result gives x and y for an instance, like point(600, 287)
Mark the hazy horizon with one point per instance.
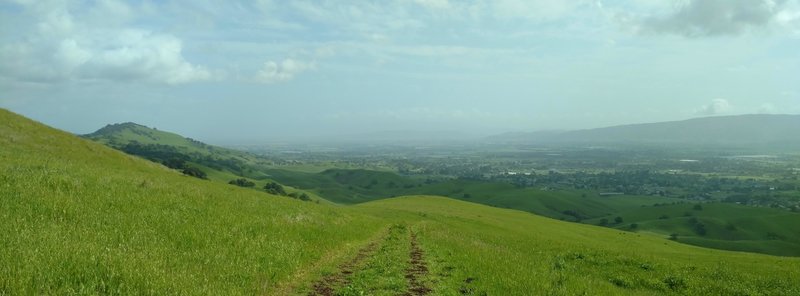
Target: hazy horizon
point(242, 72)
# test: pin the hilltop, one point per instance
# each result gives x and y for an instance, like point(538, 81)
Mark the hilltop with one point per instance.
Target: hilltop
point(123, 133)
point(81, 218)
point(740, 131)
point(178, 152)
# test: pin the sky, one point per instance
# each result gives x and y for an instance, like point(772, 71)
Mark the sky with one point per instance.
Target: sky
point(243, 72)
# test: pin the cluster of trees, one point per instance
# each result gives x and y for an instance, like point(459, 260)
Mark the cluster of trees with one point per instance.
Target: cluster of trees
point(575, 214)
point(174, 158)
point(175, 163)
point(241, 182)
point(180, 164)
point(697, 226)
point(154, 152)
point(617, 220)
point(301, 196)
point(277, 189)
point(218, 163)
point(195, 172)
point(271, 188)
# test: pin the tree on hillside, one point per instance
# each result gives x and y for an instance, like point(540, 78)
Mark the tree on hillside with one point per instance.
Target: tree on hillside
point(618, 220)
point(275, 188)
point(174, 163)
point(697, 226)
point(241, 182)
point(700, 229)
point(195, 172)
point(301, 196)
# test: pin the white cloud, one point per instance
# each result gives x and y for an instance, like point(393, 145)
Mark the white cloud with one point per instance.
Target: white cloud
point(56, 47)
point(715, 107)
point(434, 4)
point(697, 18)
point(766, 108)
point(533, 9)
point(286, 70)
point(789, 18)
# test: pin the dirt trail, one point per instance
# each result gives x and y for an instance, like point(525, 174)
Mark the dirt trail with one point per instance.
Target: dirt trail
point(326, 285)
point(417, 270)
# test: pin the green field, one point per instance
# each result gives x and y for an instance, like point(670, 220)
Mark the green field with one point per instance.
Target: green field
point(754, 229)
point(728, 226)
point(80, 218)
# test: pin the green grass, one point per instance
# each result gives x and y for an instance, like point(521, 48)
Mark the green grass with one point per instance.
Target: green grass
point(384, 272)
point(547, 203)
point(728, 226)
point(508, 252)
point(80, 218)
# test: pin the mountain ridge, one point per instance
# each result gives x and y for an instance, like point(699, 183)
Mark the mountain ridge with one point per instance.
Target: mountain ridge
point(750, 130)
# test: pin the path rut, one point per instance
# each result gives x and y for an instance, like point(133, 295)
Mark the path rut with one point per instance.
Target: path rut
point(417, 270)
point(326, 286)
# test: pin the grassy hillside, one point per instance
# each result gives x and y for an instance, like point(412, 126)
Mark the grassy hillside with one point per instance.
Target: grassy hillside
point(727, 226)
point(724, 226)
point(347, 186)
point(80, 218)
point(503, 252)
point(217, 163)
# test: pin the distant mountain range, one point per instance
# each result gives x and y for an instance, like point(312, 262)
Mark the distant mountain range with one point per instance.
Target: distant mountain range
point(762, 130)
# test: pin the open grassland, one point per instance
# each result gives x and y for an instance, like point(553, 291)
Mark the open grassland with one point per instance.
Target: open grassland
point(80, 218)
point(725, 226)
point(501, 252)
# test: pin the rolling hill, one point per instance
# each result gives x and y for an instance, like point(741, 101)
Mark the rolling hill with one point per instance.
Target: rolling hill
point(767, 236)
point(175, 151)
point(81, 218)
point(161, 145)
point(741, 131)
point(353, 186)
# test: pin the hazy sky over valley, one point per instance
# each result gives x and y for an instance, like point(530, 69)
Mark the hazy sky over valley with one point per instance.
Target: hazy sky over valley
point(253, 71)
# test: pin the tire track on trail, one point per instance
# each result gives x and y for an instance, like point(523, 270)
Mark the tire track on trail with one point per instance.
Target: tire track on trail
point(417, 270)
point(328, 284)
